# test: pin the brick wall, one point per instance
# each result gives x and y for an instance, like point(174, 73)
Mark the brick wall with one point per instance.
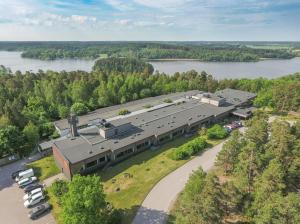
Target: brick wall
point(62, 163)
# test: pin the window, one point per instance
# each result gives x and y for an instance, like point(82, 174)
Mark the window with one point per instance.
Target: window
point(102, 159)
point(167, 137)
point(175, 133)
point(91, 164)
point(116, 131)
point(142, 145)
point(128, 151)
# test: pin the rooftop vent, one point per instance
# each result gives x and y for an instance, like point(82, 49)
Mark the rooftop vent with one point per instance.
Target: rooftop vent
point(90, 152)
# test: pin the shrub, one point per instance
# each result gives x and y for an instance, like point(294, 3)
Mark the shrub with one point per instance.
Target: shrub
point(124, 112)
point(168, 101)
point(147, 106)
point(217, 132)
point(59, 188)
point(79, 108)
point(187, 150)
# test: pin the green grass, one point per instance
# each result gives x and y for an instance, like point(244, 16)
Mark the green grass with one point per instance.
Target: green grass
point(136, 176)
point(44, 167)
point(56, 208)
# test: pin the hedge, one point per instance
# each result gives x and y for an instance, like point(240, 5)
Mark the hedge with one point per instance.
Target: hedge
point(187, 150)
point(217, 132)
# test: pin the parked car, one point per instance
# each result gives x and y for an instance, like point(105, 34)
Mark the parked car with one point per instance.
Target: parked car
point(24, 174)
point(25, 182)
point(238, 123)
point(228, 129)
point(35, 199)
point(16, 173)
point(31, 193)
point(31, 187)
point(39, 210)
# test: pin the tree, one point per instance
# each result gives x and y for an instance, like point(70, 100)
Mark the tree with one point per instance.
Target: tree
point(85, 201)
point(201, 200)
point(11, 141)
point(228, 157)
point(257, 131)
point(31, 133)
point(271, 181)
point(63, 111)
point(247, 168)
point(79, 108)
point(278, 209)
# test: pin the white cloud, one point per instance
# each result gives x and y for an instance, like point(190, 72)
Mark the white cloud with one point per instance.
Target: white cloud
point(120, 5)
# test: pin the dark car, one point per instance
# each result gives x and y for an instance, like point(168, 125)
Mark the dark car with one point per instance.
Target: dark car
point(31, 187)
point(15, 174)
point(39, 210)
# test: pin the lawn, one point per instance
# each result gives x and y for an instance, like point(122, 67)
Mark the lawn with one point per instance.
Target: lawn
point(44, 167)
point(128, 183)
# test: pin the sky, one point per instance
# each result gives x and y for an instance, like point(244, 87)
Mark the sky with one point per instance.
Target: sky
point(150, 20)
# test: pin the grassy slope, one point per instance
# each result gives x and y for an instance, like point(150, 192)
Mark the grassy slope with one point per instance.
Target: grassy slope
point(145, 170)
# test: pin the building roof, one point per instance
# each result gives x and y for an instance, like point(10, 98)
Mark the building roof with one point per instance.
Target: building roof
point(146, 124)
point(235, 97)
point(112, 111)
point(243, 112)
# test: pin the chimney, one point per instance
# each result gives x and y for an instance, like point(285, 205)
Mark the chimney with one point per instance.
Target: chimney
point(73, 120)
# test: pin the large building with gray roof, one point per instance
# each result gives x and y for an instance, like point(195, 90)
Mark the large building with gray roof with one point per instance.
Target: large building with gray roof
point(112, 137)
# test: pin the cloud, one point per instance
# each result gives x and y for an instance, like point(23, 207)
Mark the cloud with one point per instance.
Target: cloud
point(163, 4)
point(120, 5)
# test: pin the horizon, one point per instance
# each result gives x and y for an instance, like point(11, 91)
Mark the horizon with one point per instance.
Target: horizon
point(150, 20)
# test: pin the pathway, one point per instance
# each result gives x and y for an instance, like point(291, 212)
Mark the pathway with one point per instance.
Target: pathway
point(157, 204)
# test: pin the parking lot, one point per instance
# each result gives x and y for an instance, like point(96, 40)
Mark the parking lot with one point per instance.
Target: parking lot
point(12, 210)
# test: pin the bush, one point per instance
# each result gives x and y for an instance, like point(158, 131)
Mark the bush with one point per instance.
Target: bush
point(124, 112)
point(79, 108)
point(187, 150)
point(217, 132)
point(59, 188)
point(168, 101)
point(147, 106)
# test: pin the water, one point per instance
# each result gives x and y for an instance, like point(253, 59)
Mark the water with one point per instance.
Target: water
point(220, 70)
point(266, 68)
point(14, 61)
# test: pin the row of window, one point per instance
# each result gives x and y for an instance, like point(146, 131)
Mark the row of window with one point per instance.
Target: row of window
point(144, 144)
point(128, 151)
point(165, 138)
point(94, 163)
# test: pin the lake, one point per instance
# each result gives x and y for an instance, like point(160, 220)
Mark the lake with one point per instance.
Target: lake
point(266, 68)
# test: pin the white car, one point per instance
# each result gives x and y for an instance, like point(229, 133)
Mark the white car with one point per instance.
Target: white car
point(24, 174)
point(26, 181)
point(31, 193)
point(35, 199)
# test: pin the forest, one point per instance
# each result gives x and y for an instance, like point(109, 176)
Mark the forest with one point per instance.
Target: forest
point(30, 102)
point(256, 179)
point(204, 51)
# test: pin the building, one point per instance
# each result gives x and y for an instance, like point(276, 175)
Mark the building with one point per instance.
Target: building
point(114, 138)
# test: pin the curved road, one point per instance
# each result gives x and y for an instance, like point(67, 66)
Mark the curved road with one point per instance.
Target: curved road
point(157, 204)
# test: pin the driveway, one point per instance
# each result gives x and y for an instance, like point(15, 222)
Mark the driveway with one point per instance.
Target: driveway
point(157, 204)
point(12, 210)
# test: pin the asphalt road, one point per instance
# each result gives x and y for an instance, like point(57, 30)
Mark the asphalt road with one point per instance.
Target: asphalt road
point(12, 210)
point(157, 204)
